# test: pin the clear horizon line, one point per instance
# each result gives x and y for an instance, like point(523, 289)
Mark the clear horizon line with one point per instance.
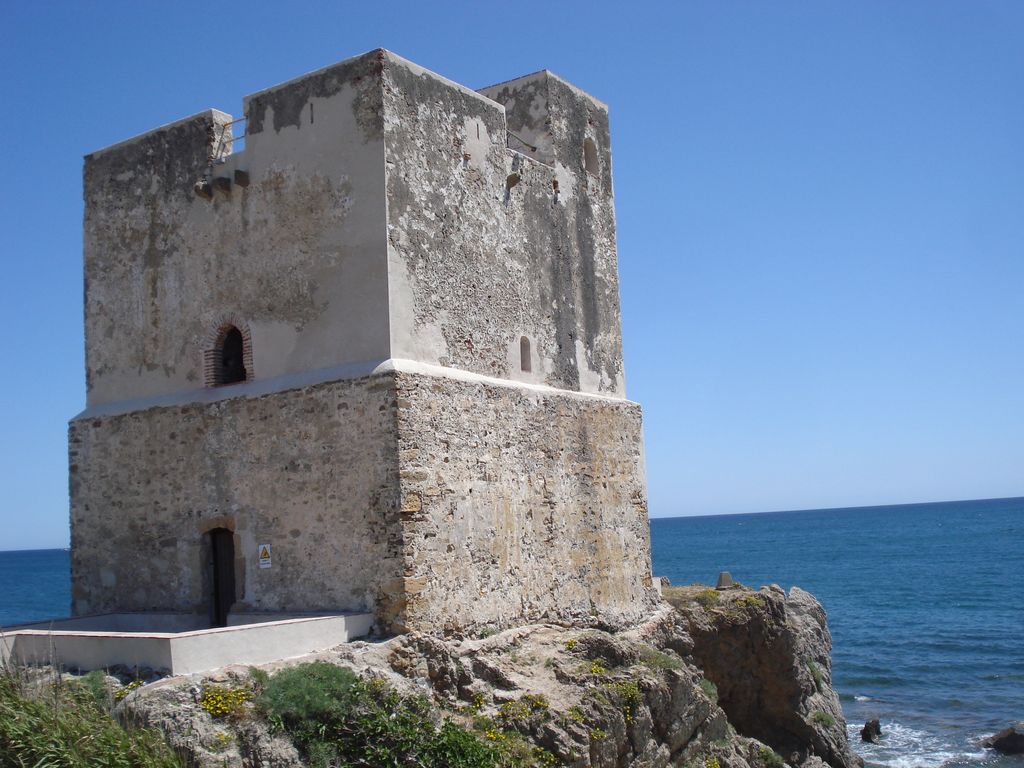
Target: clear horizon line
point(836, 509)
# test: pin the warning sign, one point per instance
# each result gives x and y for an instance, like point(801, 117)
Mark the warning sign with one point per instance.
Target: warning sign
point(265, 559)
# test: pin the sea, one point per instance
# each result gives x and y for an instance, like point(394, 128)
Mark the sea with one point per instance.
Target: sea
point(925, 603)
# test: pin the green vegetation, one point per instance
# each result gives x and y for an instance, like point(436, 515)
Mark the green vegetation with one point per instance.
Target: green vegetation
point(336, 718)
point(749, 601)
point(708, 598)
point(67, 724)
point(711, 762)
point(815, 673)
point(655, 659)
point(771, 758)
point(710, 689)
point(823, 718)
point(224, 701)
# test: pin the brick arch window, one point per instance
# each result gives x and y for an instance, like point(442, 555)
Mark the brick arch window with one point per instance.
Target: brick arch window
point(227, 354)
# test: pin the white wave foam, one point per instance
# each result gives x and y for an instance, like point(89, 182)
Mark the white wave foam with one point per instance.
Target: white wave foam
point(862, 698)
point(904, 747)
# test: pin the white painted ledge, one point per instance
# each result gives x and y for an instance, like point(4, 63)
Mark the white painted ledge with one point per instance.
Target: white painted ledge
point(345, 372)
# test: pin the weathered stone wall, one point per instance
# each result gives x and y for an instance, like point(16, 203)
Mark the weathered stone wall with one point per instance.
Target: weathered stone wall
point(297, 256)
point(378, 216)
point(486, 246)
point(519, 505)
point(312, 471)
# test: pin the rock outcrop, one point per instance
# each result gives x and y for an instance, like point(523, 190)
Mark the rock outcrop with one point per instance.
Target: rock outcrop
point(724, 684)
point(872, 731)
point(1009, 741)
point(768, 654)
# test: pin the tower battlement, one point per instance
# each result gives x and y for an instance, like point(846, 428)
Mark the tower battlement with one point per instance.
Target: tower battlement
point(374, 322)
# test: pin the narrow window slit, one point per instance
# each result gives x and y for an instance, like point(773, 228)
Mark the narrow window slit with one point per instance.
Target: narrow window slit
point(525, 356)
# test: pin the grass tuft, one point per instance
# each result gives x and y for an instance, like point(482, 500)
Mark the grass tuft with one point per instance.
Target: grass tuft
point(67, 724)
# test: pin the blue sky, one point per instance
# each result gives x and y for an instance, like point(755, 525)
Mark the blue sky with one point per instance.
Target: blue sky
point(820, 210)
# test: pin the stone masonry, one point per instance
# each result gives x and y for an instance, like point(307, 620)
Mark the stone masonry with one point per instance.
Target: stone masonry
point(412, 290)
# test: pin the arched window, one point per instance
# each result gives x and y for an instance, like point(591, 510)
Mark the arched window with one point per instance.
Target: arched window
point(525, 358)
point(590, 161)
point(227, 356)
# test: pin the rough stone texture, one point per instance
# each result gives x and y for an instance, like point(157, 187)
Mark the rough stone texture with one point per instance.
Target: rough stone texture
point(1009, 741)
point(613, 700)
point(432, 423)
point(520, 505)
point(769, 656)
point(872, 731)
point(475, 265)
point(438, 503)
point(310, 471)
point(298, 256)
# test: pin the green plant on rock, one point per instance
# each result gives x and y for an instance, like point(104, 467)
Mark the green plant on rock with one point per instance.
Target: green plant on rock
point(514, 713)
point(629, 694)
point(655, 659)
point(710, 689)
point(596, 734)
point(771, 758)
point(708, 598)
point(749, 601)
point(67, 726)
point(574, 715)
point(124, 690)
point(823, 718)
point(224, 701)
point(336, 718)
point(711, 762)
point(815, 674)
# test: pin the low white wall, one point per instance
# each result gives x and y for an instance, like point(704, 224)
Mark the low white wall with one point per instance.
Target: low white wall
point(178, 653)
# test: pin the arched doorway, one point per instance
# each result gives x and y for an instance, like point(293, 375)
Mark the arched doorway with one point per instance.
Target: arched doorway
point(222, 575)
point(232, 360)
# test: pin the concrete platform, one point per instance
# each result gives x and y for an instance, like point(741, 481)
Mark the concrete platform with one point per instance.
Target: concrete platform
point(176, 643)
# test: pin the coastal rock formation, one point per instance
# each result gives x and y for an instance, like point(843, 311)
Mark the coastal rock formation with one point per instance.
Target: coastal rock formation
point(872, 731)
point(645, 697)
point(768, 654)
point(1009, 741)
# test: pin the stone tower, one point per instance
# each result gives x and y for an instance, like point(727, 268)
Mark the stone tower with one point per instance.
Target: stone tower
point(371, 361)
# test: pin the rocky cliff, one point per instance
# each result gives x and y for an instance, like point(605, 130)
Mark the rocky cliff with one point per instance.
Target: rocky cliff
point(715, 679)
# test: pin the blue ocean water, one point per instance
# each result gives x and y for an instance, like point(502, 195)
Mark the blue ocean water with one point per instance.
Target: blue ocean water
point(34, 584)
point(925, 603)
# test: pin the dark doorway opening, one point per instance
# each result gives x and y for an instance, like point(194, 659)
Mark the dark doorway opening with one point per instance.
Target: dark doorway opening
point(222, 566)
point(232, 358)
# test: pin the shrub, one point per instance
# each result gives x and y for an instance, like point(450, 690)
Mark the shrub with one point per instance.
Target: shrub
point(301, 696)
point(823, 718)
point(771, 758)
point(124, 690)
point(749, 601)
point(707, 598)
point(657, 660)
point(710, 689)
point(66, 726)
point(223, 701)
point(815, 674)
point(337, 718)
